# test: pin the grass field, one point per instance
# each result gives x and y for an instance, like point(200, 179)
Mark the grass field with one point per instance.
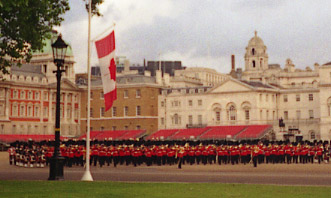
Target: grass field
point(36, 189)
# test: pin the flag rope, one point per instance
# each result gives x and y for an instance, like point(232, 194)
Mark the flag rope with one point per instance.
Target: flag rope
point(104, 32)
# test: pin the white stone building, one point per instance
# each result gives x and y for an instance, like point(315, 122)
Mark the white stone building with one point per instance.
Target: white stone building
point(261, 94)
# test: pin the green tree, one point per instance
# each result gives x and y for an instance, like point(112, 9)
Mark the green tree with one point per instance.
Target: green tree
point(24, 24)
point(94, 6)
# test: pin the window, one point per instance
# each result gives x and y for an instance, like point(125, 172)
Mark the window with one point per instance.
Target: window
point(76, 113)
point(102, 128)
point(2, 109)
point(190, 103)
point(199, 102)
point(267, 115)
point(312, 135)
point(138, 127)
point(253, 63)
point(22, 96)
point(45, 112)
point(126, 111)
point(54, 96)
point(138, 93)
point(253, 51)
point(14, 129)
point(102, 112)
point(126, 94)
point(61, 112)
point(246, 114)
point(15, 94)
point(285, 98)
point(36, 111)
point(286, 115)
point(311, 97)
point(162, 103)
point(68, 113)
point(273, 98)
point(138, 110)
point(126, 127)
point(91, 112)
point(200, 119)
point(29, 95)
point(260, 97)
point(69, 98)
point(311, 114)
point(162, 121)
point(45, 68)
point(36, 96)
point(45, 96)
point(53, 113)
point(91, 95)
point(22, 110)
point(298, 114)
point(113, 128)
point(101, 95)
point(232, 113)
point(190, 119)
point(273, 115)
point(218, 116)
point(297, 97)
point(261, 116)
point(114, 111)
point(266, 98)
point(176, 119)
point(2, 129)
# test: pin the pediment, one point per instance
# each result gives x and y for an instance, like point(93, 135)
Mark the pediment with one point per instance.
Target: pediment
point(231, 85)
point(65, 84)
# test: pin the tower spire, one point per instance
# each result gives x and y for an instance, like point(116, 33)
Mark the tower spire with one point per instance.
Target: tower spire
point(255, 32)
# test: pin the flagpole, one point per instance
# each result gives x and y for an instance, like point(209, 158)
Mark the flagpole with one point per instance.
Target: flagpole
point(87, 174)
point(106, 30)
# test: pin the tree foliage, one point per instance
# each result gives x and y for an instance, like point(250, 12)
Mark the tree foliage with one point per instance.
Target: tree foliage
point(24, 24)
point(94, 6)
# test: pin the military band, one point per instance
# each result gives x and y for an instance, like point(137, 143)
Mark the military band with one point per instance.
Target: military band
point(136, 153)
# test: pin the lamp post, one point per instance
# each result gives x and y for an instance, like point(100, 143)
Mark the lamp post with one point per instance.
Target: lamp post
point(59, 48)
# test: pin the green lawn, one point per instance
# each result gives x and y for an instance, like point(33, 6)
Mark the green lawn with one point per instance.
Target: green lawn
point(49, 189)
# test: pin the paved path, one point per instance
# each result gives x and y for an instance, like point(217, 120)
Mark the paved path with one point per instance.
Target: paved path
point(279, 174)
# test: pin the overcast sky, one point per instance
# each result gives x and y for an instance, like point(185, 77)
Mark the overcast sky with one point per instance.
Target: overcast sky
point(204, 33)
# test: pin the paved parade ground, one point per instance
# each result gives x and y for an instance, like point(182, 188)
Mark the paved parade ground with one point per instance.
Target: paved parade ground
point(279, 174)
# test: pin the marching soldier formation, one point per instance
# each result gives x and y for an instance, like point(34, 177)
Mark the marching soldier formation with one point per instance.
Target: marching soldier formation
point(158, 153)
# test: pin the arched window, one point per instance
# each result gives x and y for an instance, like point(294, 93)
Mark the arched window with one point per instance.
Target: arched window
point(329, 106)
point(218, 115)
point(176, 119)
point(253, 64)
point(312, 135)
point(233, 112)
point(253, 51)
point(216, 108)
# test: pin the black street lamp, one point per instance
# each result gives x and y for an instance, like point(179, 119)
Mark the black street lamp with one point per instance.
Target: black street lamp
point(59, 48)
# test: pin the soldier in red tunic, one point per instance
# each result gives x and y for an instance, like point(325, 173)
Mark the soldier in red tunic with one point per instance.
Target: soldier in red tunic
point(180, 155)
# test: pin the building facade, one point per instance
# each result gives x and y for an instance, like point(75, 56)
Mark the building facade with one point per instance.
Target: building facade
point(135, 107)
point(261, 94)
point(28, 97)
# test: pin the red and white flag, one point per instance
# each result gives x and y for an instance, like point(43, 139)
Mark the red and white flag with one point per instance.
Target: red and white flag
point(106, 54)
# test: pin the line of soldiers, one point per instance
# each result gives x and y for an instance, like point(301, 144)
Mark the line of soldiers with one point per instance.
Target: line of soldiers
point(136, 153)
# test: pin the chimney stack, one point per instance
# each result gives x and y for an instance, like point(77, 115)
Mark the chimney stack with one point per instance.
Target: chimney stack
point(233, 73)
point(233, 62)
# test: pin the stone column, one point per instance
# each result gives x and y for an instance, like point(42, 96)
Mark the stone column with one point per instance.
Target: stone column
point(7, 105)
